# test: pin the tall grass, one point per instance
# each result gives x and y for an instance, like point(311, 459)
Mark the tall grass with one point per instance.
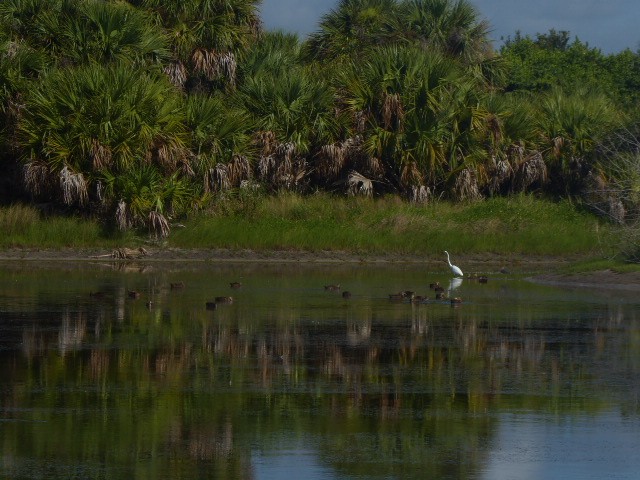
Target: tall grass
point(23, 227)
point(521, 224)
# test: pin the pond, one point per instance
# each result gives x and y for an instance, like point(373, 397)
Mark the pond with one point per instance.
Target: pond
point(292, 379)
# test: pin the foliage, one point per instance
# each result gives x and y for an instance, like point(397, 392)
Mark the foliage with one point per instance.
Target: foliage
point(552, 60)
point(86, 124)
point(386, 226)
point(145, 110)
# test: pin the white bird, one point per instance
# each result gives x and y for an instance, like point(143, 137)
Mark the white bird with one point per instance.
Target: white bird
point(455, 270)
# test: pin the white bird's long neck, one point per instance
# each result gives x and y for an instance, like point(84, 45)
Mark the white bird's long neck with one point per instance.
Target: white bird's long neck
point(448, 260)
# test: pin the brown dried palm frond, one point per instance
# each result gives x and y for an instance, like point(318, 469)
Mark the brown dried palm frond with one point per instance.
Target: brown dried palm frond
point(466, 186)
point(36, 177)
point(515, 152)
point(101, 155)
point(353, 144)
point(158, 224)
point(359, 184)
point(285, 170)
point(266, 141)
point(177, 73)
point(494, 127)
point(331, 159)
point(558, 144)
point(410, 175)
point(122, 217)
point(501, 171)
point(213, 64)
point(266, 165)
point(169, 154)
point(239, 169)
point(228, 66)
point(531, 170)
point(186, 168)
point(204, 62)
point(392, 111)
point(74, 187)
point(374, 166)
point(605, 198)
point(219, 177)
point(286, 151)
point(420, 194)
point(361, 118)
point(299, 171)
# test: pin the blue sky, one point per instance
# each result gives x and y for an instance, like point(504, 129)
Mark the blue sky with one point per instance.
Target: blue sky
point(610, 25)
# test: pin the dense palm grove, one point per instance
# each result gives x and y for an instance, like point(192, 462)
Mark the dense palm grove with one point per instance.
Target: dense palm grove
point(138, 112)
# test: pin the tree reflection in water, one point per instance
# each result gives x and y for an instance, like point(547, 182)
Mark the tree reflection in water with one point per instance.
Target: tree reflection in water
point(109, 388)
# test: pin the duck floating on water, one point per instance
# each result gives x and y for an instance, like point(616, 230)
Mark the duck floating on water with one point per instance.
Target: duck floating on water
point(224, 299)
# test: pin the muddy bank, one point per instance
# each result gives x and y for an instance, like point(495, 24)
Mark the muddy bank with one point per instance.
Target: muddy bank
point(602, 279)
point(469, 263)
point(538, 269)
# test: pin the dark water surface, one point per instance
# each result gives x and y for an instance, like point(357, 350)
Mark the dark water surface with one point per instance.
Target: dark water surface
point(519, 381)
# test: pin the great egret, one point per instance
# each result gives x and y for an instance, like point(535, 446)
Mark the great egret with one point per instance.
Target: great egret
point(455, 270)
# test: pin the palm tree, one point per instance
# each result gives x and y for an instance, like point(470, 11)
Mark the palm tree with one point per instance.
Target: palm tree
point(275, 53)
point(514, 162)
point(111, 31)
point(571, 125)
point(144, 197)
point(353, 27)
point(220, 141)
point(82, 124)
point(207, 37)
point(20, 64)
point(451, 26)
point(407, 98)
point(294, 115)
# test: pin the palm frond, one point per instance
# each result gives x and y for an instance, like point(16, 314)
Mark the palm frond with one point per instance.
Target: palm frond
point(74, 187)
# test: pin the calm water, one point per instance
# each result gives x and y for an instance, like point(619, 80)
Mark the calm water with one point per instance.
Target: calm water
point(520, 381)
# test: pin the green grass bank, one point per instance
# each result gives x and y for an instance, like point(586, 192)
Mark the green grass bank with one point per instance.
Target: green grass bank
point(388, 226)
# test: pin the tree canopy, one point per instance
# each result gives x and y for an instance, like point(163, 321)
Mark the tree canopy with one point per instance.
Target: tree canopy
point(139, 112)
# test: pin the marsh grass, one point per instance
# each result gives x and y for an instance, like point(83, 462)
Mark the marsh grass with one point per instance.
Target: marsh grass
point(24, 226)
point(386, 226)
point(521, 224)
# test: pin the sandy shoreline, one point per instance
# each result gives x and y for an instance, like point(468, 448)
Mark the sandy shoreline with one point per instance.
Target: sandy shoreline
point(543, 270)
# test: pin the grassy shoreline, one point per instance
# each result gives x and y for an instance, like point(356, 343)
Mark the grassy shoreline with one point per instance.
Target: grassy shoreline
point(517, 226)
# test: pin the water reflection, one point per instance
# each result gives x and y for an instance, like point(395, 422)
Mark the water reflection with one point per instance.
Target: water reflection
point(293, 376)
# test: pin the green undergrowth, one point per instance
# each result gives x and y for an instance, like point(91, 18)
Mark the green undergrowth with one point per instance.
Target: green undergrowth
point(517, 225)
point(521, 225)
point(24, 227)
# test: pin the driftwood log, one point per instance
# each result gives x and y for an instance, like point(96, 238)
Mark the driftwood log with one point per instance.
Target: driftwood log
point(125, 253)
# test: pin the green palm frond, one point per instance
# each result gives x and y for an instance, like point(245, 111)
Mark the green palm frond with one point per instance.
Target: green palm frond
point(353, 27)
point(113, 31)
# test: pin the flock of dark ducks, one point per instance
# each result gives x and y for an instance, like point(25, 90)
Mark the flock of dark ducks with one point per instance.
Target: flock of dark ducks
point(406, 296)
point(439, 292)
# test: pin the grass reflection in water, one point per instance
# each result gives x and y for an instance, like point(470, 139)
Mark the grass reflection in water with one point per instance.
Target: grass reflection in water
point(159, 386)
